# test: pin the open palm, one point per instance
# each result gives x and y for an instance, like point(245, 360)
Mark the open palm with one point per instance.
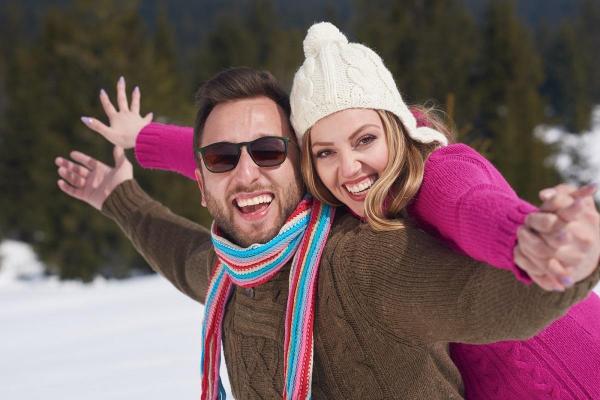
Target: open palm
point(125, 121)
point(90, 180)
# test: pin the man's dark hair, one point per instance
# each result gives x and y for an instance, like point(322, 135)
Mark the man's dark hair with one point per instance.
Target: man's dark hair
point(236, 84)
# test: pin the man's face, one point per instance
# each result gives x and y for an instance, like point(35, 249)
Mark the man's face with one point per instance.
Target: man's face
point(250, 203)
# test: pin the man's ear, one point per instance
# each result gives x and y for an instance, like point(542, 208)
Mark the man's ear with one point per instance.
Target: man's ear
point(200, 183)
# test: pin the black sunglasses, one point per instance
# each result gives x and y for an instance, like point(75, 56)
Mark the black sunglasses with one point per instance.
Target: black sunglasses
point(267, 151)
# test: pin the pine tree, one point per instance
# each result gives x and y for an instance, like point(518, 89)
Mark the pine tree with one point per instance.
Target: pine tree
point(567, 80)
point(54, 81)
point(430, 48)
point(250, 35)
point(511, 76)
point(588, 33)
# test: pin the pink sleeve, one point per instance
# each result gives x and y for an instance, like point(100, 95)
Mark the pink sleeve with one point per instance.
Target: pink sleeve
point(166, 147)
point(469, 203)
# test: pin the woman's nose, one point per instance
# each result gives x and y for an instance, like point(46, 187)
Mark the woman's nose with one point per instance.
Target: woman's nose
point(350, 165)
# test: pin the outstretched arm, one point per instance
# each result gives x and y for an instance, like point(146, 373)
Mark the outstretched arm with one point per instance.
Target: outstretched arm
point(410, 285)
point(175, 247)
point(465, 200)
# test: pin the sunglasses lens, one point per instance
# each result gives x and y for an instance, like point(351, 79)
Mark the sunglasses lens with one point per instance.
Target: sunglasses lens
point(268, 151)
point(221, 157)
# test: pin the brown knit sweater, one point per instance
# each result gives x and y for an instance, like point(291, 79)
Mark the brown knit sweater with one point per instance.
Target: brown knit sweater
point(387, 306)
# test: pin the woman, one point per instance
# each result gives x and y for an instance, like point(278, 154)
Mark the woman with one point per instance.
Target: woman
point(513, 369)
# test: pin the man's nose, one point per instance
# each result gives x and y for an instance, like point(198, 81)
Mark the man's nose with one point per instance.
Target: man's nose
point(349, 164)
point(246, 170)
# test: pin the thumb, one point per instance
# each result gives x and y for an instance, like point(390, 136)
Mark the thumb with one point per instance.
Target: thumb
point(99, 127)
point(585, 191)
point(148, 118)
point(118, 154)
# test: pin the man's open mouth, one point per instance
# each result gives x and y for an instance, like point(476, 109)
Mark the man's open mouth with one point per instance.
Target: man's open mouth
point(252, 204)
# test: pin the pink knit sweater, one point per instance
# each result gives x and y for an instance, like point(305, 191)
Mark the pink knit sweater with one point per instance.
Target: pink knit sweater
point(468, 203)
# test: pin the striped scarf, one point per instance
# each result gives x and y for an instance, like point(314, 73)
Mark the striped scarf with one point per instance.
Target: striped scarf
point(302, 237)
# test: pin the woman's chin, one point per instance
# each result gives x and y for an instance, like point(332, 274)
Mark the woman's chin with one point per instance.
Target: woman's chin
point(357, 210)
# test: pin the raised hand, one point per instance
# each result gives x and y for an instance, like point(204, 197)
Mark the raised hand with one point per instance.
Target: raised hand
point(560, 244)
point(90, 180)
point(125, 123)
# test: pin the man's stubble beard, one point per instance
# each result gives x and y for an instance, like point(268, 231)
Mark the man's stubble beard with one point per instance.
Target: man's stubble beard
point(288, 198)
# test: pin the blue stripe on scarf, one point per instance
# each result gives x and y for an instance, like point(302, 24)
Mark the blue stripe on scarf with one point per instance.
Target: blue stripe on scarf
point(290, 236)
point(257, 250)
point(265, 269)
point(297, 322)
point(210, 297)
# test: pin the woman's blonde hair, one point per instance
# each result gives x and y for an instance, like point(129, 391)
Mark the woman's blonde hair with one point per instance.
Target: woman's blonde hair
point(401, 179)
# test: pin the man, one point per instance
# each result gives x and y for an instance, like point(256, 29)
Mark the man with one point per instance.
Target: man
point(363, 325)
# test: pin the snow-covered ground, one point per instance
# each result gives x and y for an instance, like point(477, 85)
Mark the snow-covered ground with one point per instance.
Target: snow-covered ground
point(133, 339)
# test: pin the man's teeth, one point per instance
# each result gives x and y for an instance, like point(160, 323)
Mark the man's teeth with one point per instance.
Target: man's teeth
point(265, 198)
point(361, 186)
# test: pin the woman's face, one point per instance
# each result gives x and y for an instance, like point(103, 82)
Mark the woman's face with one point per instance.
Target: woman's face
point(350, 152)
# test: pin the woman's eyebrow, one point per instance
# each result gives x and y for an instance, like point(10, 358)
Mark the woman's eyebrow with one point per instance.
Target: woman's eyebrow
point(356, 132)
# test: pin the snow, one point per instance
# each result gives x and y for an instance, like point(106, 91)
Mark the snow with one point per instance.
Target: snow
point(577, 158)
point(133, 339)
point(109, 340)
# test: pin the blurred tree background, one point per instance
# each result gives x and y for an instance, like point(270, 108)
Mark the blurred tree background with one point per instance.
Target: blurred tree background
point(499, 68)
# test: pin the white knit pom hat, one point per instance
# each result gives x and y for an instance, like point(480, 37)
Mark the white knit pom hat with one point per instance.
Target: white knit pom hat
point(337, 75)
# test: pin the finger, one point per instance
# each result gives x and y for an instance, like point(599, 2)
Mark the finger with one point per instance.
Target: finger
point(544, 222)
point(544, 281)
point(526, 264)
point(71, 166)
point(135, 100)
point(585, 190)
point(60, 162)
point(97, 126)
point(569, 256)
point(523, 261)
point(108, 107)
point(87, 161)
point(585, 235)
point(557, 202)
point(571, 212)
point(70, 190)
point(148, 118)
point(557, 269)
point(122, 95)
point(73, 179)
point(586, 194)
point(564, 188)
point(533, 245)
point(557, 238)
point(118, 154)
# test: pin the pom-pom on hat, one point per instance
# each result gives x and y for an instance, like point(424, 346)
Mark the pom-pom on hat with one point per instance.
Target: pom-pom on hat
point(337, 75)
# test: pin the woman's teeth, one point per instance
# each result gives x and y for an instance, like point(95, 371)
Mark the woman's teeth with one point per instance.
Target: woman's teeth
point(361, 186)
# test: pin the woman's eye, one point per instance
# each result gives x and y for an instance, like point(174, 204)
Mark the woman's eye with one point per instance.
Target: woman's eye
point(366, 139)
point(323, 153)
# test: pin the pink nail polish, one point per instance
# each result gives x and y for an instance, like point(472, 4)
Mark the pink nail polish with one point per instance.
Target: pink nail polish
point(86, 120)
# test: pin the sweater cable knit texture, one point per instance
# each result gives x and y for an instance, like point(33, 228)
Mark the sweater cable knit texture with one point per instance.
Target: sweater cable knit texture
point(466, 201)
